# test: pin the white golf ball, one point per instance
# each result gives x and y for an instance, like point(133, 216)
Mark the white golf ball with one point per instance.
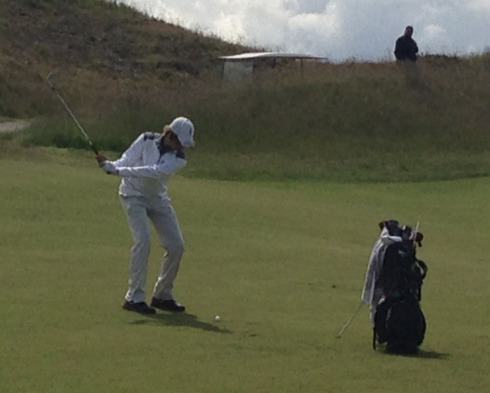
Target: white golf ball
point(217, 318)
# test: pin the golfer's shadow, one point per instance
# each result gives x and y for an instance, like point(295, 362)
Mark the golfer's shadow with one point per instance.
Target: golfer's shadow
point(183, 319)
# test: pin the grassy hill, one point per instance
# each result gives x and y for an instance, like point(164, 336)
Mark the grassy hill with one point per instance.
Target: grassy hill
point(92, 43)
point(345, 122)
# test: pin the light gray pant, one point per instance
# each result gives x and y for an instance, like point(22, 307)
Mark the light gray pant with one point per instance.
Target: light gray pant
point(140, 211)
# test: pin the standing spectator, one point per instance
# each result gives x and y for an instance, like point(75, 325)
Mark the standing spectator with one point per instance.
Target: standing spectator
point(406, 48)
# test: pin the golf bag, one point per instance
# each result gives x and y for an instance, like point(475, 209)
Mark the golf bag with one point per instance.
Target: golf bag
point(399, 321)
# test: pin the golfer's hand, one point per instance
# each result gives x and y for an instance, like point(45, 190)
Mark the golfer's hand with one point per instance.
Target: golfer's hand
point(101, 159)
point(109, 168)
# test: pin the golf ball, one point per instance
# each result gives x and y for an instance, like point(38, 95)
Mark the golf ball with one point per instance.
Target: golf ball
point(217, 318)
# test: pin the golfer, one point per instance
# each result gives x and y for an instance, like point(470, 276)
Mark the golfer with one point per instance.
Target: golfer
point(145, 168)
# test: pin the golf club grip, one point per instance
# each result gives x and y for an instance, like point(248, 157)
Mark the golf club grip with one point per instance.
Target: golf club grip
point(94, 149)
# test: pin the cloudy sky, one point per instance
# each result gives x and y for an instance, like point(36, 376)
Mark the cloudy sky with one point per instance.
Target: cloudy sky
point(337, 29)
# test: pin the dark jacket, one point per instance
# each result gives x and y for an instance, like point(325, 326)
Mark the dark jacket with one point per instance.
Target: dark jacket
point(406, 48)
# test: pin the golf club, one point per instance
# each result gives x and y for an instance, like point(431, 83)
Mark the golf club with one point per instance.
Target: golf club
point(72, 115)
point(415, 234)
point(349, 321)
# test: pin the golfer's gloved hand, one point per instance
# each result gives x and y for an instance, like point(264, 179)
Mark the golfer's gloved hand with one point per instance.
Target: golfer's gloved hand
point(100, 159)
point(109, 168)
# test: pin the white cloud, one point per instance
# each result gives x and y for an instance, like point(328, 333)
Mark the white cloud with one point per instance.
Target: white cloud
point(479, 5)
point(338, 29)
point(435, 39)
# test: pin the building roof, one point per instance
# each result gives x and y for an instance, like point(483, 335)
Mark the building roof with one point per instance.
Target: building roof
point(268, 55)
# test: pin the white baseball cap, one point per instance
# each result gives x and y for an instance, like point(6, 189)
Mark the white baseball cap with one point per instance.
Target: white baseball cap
point(184, 129)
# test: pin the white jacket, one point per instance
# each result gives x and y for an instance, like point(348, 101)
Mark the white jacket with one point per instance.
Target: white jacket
point(145, 170)
point(369, 292)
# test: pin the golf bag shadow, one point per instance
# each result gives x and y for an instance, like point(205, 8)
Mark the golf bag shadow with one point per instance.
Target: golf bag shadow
point(399, 321)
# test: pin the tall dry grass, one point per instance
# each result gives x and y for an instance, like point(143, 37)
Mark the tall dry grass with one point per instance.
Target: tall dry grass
point(340, 121)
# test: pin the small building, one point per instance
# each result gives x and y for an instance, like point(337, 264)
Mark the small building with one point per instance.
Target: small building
point(244, 65)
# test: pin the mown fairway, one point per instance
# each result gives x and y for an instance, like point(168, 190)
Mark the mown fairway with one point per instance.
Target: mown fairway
point(281, 263)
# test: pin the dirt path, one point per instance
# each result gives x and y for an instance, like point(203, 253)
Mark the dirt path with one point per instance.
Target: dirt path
point(13, 125)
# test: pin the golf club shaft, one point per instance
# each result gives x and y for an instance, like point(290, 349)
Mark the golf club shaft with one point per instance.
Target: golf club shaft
point(72, 115)
point(415, 234)
point(349, 321)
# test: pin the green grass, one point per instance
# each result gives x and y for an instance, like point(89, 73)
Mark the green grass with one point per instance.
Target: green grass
point(318, 155)
point(265, 256)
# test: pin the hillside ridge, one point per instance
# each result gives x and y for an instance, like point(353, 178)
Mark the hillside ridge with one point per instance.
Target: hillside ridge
point(98, 37)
